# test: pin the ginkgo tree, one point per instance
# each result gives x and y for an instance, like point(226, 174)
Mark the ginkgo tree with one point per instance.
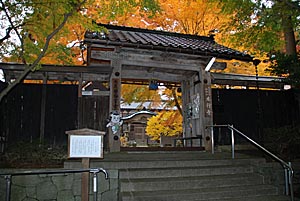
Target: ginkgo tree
point(167, 123)
point(140, 94)
point(205, 18)
point(123, 12)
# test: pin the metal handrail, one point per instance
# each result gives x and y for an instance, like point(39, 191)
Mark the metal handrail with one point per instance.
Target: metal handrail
point(289, 172)
point(94, 171)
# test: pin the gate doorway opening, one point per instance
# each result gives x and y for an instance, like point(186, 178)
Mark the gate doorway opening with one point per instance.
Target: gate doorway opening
point(152, 115)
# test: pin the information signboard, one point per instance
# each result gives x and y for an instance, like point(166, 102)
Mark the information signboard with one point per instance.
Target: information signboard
point(85, 146)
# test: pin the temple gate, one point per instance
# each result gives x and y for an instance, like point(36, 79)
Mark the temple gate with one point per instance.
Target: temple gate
point(171, 59)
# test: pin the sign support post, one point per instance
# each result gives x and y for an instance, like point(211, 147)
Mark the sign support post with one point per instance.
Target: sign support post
point(85, 144)
point(85, 180)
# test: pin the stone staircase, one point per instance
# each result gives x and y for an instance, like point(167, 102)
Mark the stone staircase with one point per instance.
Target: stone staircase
point(191, 176)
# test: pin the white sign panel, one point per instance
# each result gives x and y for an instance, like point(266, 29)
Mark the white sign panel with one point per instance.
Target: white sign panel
point(83, 146)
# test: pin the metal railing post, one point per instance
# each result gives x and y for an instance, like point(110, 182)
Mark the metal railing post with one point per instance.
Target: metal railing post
point(286, 183)
point(288, 170)
point(232, 142)
point(95, 187)
point(8, 187)
point(291, 181)
point(8, 177)
point(95, 180)
point(212, 140)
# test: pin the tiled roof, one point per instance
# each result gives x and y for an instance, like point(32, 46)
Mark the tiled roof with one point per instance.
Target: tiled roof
point(167, 41)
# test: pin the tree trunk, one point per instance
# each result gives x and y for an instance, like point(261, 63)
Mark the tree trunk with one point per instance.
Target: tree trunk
point(176, 101)
point(289, 36)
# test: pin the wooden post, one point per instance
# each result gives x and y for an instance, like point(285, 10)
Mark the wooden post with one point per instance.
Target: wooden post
point(79, 106)
point(43, 108)
point(85, 180)
point(185, 85)
point(207, 118)
point(85, 144)
point(114, 105)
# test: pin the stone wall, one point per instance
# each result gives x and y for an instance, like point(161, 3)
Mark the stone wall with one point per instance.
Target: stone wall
point(60, 187)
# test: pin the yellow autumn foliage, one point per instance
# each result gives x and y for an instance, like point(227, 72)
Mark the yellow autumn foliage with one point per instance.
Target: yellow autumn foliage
point(140, 93)
point(167, 123)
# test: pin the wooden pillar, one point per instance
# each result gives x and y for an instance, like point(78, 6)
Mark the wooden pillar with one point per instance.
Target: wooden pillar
point(207, 114)
point(186, 108)
point(196, 100)
point(79, 102)
point(114, 105)
point(199, 98)
point(43, 108)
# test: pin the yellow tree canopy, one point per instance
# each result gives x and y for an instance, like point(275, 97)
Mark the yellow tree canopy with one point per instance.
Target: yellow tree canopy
point(140, 93)
point(168, 123)
point(204, 17)
point(197, 17)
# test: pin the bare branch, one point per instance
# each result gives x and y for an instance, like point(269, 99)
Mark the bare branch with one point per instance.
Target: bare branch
point(13, 27)
point(7, 35)
point(8, 31)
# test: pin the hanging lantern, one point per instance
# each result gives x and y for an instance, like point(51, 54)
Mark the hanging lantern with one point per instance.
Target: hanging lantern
point(153, 85)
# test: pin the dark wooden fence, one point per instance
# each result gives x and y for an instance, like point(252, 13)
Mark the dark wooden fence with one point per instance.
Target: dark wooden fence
point(95, 114)
point(22, 111)
point(25, 118)
point(253, 111)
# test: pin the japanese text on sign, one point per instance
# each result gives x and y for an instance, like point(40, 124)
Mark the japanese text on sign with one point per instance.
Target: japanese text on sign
point(82, 146)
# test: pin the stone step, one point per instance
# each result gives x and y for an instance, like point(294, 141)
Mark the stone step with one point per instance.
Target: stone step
point(214, 193)
point(184, 171)
point(188, 176)
point(164, 159)
point(169, 163)
point(155, 156)
point(191, 177)
point(255, 198)
point(178, 183)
